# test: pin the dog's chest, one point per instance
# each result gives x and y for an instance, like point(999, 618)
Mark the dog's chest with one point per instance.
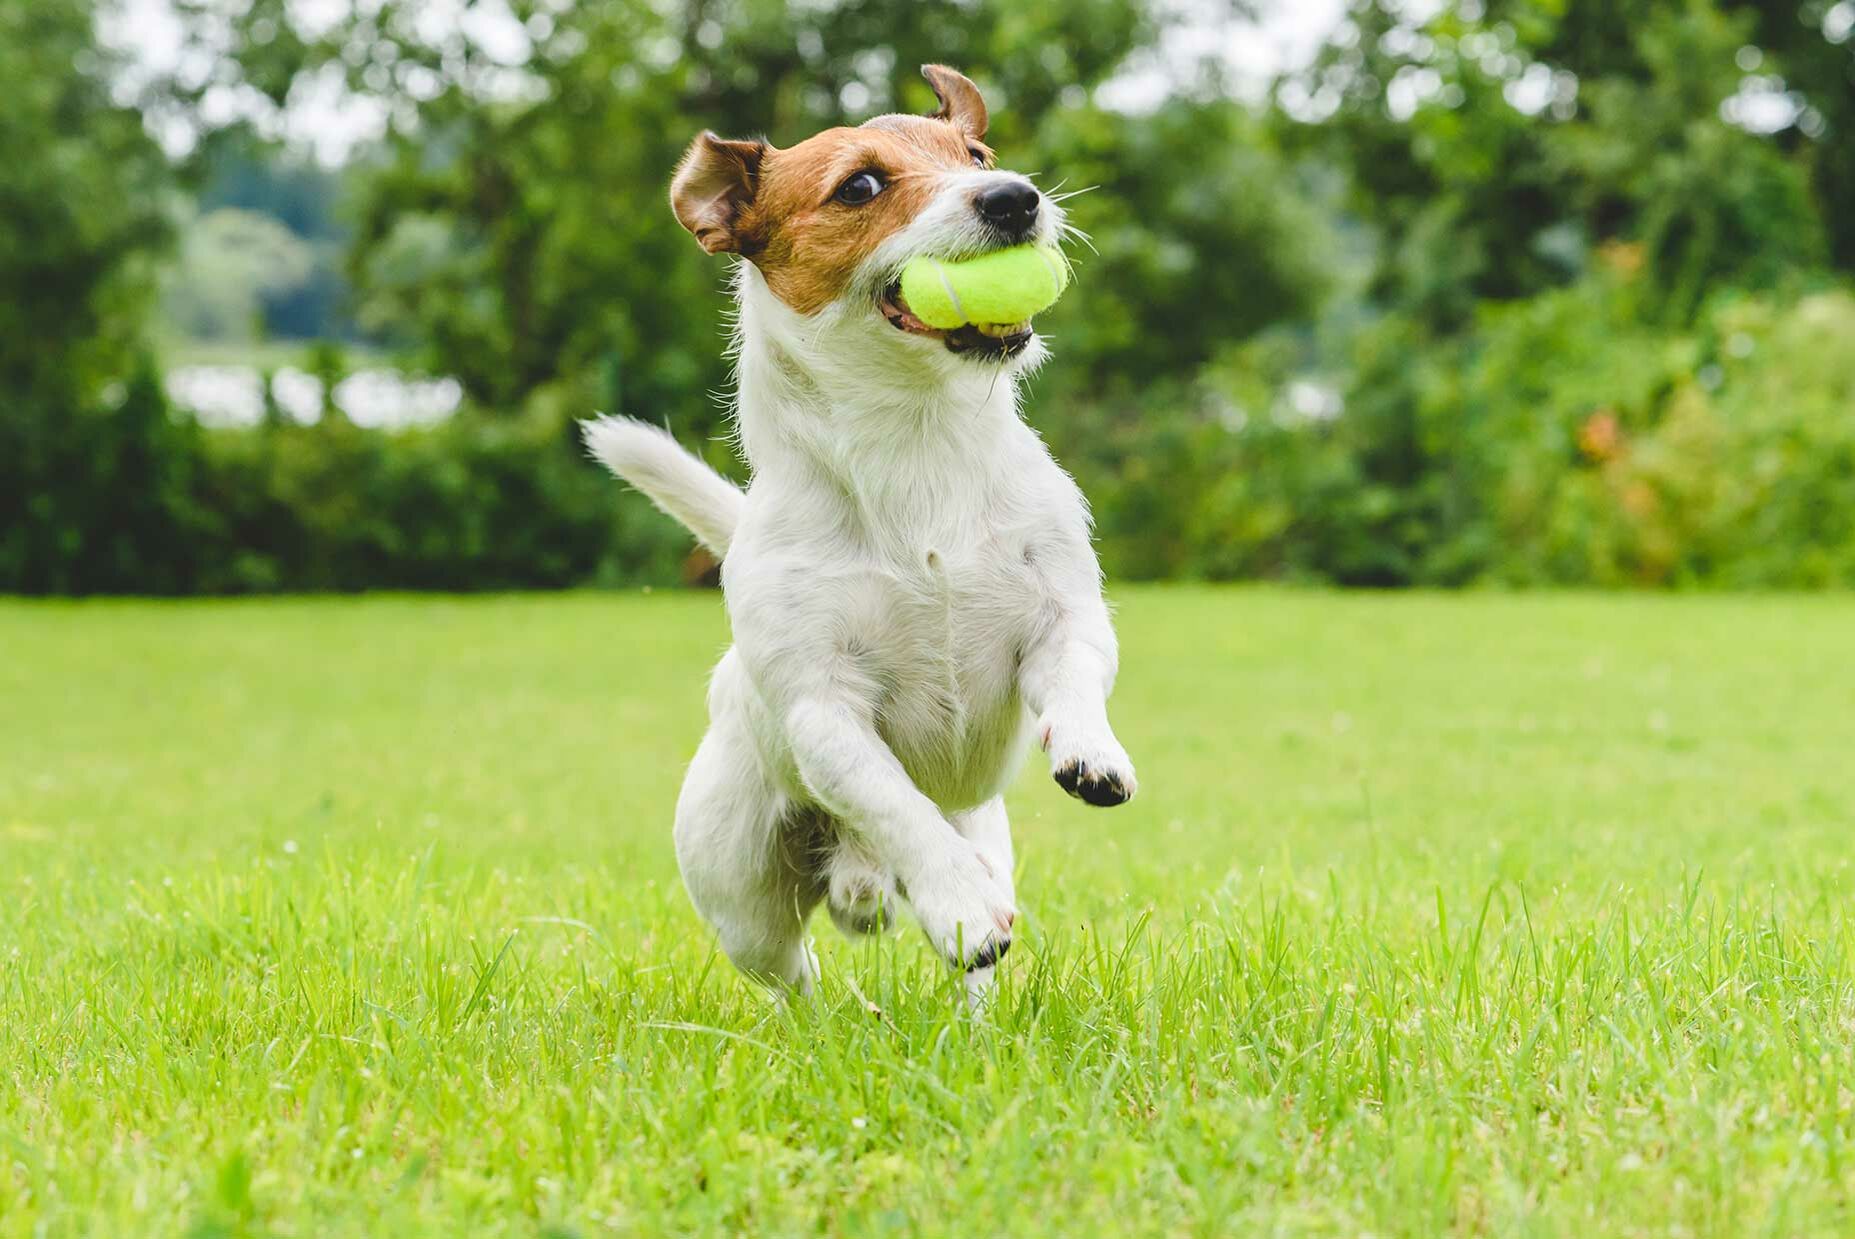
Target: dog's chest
point(951, 623)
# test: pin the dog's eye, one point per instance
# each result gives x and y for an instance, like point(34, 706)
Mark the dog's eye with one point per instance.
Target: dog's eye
point(859, 188)
point(977, 154)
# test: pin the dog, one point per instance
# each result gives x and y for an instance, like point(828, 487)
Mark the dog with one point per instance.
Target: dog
point(909, 576)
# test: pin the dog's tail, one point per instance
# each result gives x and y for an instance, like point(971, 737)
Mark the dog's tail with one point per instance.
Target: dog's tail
point(671, 478)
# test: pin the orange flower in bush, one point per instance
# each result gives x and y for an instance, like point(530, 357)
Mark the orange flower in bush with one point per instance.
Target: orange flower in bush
point(1601, 436)
point(1625, 258)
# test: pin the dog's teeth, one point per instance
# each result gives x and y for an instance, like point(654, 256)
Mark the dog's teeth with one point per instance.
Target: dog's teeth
point(999, 331)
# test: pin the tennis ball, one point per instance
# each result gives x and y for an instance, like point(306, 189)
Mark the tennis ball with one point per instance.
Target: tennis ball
point(1003, 286)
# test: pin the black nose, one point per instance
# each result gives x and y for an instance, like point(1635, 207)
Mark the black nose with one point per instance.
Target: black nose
point(1010, 207)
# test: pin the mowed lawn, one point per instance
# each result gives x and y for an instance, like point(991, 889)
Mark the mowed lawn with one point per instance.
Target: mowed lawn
point(1436, 915)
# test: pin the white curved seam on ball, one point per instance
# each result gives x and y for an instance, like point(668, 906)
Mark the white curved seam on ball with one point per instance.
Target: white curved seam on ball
point(1050, 261)
point(948, 285)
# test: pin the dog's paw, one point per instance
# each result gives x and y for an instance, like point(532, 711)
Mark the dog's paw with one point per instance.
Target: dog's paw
point(1095, 769)
point(861, 896)
point(964, 910)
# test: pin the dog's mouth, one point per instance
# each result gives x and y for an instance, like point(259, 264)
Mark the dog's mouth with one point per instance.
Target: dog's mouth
point(983, 340)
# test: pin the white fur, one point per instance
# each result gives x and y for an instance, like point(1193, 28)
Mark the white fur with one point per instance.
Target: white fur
point(679, 484)
point(913, 595)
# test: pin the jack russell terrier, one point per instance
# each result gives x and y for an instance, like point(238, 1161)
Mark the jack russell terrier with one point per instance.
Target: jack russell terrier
point(909, 575)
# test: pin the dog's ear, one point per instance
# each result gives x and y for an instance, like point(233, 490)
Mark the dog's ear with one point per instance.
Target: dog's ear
point(713, 185)
point(960, 101)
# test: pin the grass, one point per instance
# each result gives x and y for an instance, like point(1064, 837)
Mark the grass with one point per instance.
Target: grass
point(1437, 915)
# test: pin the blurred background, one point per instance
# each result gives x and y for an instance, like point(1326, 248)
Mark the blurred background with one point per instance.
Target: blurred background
point(306, 294)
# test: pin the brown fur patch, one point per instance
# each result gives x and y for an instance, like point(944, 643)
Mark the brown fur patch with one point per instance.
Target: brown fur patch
point(805, 242)
point(715, 178)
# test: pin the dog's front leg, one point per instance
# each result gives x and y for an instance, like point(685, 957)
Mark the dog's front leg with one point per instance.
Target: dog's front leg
point(965, 909)
point(1065, 678)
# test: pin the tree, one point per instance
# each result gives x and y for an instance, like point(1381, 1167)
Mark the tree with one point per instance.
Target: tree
point(231, 263)
point(88, 462)
point(1496, 146)
point(516, 230)
point(1804, 51)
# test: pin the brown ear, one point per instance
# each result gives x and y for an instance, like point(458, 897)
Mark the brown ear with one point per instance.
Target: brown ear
point(713, 184)
point(959, 99)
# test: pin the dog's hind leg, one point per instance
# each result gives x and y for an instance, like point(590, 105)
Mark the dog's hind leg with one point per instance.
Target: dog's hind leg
point(862, 896)
point(989, 830)
point(860, 893)
point(746, 852)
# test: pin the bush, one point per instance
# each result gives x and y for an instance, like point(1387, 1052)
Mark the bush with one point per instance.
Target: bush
point(133, 500)
point(100, 498)
point(1720, 456)
point(472, 504)
point(1565, 440)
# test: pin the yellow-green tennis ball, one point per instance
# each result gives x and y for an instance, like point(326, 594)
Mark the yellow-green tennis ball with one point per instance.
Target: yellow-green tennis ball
point(1003, 286)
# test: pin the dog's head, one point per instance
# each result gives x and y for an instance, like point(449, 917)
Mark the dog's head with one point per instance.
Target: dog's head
point(830, 222)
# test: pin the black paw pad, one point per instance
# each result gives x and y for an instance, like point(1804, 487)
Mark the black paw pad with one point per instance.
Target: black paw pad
point(1102, 790)
point(989, 953)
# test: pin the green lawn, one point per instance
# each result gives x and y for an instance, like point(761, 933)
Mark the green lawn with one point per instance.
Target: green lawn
point(1466, 914)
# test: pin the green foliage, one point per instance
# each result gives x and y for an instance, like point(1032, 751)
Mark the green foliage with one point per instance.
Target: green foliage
point(517, 237)
point(88, 460)
point(1586, 448)
point(1741, 471)
point(231, 261)
point(471, 504)
point(1651, 160)
point(1804, 49)
point(1477, 199)
point(100, 498)
point(81, 198)
point(236, 171)
point(1565, 441)
point(1200, 237)
point(1469, 300)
